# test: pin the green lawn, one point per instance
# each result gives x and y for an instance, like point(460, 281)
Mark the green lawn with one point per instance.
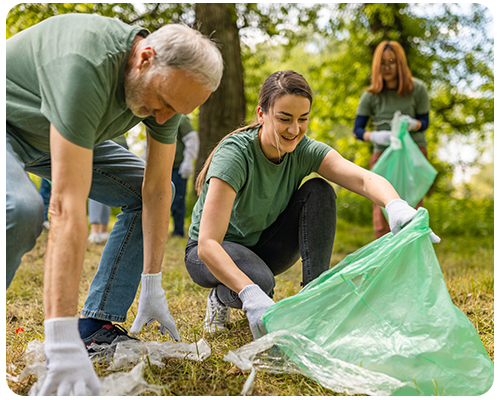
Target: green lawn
point(467, 265)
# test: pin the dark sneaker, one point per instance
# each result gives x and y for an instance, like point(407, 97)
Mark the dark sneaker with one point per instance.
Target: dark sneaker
point(104, 340)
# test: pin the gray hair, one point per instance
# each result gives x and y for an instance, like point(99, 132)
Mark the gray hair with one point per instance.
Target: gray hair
point(179, 46)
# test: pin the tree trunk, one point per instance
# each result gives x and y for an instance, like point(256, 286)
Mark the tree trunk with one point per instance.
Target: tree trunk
point(225, 109)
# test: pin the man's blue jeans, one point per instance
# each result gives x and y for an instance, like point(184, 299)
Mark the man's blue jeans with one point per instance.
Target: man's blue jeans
point(117, 182)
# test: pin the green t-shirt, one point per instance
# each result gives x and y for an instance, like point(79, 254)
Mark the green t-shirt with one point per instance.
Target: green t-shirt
point(263, 189)
point(382, 106)
point(185, 127)
point(68, 70)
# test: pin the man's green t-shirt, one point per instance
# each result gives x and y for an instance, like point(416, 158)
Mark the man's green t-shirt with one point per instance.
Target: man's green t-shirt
point(382, 106)
point(185, 127)
point(68, 70)
point(263, 189)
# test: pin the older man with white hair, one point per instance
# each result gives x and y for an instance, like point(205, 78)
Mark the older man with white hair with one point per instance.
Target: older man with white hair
point(73, 83)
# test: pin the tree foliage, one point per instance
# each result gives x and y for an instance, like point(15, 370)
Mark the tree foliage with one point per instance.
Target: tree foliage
point(448, 46)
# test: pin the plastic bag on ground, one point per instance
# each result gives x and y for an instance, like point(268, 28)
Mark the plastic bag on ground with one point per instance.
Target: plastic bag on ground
point(386, 308)
point(130, 352)
point(404, 165)
point(268, 354)
point(120, 354)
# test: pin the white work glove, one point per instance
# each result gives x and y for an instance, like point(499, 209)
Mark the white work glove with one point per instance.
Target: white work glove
point(382, 138)
point(191, 147)
point(69, 369)
point(412, 122)
point(153, 306)
point(400, 214)
point(186, 169)
point(255, 303)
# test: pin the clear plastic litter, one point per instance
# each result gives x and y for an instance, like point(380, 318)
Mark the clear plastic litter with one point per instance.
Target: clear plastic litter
point(120, 355)
point(268, 354)
point(123, 353)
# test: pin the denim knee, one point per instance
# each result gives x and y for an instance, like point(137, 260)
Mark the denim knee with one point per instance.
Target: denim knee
point(321, 189)
point(24, 218)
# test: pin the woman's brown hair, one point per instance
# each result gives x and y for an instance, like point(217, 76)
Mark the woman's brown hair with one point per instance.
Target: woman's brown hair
point(275, 86)
point(405, 79)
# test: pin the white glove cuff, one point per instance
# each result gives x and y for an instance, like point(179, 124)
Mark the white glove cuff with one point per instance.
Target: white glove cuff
point(395, 204)
point(381, 137)
point(62, 330)
point(251, 292)
point(151, 283)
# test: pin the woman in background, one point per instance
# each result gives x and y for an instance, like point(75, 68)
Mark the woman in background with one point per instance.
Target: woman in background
point(392, 89)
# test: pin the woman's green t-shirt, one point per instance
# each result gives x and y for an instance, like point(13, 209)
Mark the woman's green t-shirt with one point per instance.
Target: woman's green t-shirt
point(263, 188)
point(382, 106)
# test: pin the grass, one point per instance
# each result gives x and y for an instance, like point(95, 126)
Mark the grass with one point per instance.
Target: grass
point(466, 262)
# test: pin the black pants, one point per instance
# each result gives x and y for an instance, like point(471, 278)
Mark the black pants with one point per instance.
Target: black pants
point(305, 229)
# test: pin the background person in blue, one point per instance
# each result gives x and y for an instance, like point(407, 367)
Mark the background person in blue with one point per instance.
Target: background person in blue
point(74, 81)
point(99, 213)
point(392, 89)
point(188, 145)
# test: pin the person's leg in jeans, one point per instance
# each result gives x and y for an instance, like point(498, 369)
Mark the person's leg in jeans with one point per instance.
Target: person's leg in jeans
point(179, 204)
point(45, 190)
point(24, 205)
point(117, 182)
point(98, 219)
point(246, 260)
point(305, 229)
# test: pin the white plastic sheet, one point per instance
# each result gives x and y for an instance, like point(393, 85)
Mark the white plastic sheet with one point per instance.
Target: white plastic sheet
point(265, 354)
point(120, 354)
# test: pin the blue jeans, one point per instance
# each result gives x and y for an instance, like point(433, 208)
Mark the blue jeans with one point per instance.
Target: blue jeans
point(305, 229)
point(179, 203)
point(45, 190)
point(117, 182)
point(98, 212)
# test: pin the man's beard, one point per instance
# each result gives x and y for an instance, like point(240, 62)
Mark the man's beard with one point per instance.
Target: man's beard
point(135, 86)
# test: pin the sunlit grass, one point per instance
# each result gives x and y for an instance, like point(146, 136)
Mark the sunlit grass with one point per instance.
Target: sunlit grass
point(466, 262)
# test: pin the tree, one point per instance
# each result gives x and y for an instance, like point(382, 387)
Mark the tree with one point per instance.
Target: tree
point(335, 57)
point(224, 110)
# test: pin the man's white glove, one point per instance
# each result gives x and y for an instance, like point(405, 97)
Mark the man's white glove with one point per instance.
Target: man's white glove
point(255, 303)
point(69, 369)
point(382, 138)
point(191, 147)
point(412, 122)
point(400, 214)
point(153, 306)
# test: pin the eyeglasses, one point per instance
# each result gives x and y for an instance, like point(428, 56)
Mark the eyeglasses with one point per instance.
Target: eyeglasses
point(391, 64)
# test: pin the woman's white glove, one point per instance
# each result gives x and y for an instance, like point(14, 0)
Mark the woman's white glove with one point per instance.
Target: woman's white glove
point(255, 303)
point(412, 122)
point(400, 214)
point(382, 138)
point(153, 306)
point(69, 369)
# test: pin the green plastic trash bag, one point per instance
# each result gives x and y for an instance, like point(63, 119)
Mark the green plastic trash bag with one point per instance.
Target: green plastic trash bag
point(386, 309)
point(404, 165)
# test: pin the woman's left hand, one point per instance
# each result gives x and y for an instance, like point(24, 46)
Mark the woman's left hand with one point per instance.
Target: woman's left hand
point(400, 214)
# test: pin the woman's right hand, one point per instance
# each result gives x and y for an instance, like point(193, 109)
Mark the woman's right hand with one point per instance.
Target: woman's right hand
point(255, 303)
